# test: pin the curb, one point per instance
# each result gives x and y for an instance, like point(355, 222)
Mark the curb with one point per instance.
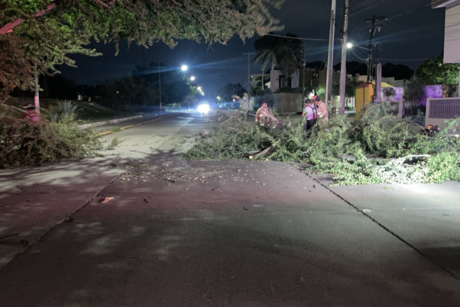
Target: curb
point(132, 126)
point(109, 122)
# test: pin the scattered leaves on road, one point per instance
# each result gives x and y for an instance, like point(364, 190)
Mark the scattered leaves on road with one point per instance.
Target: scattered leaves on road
point(106, 200)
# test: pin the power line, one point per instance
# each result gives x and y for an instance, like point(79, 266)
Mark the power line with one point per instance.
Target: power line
point(300, 38)
point(368, 7)
point(359, 56)
point(410, 11)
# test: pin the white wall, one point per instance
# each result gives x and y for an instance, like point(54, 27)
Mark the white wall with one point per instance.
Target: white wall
point(274, 79)
point(452, 35)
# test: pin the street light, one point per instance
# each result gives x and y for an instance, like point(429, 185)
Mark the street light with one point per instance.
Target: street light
point(351, 46)
point(192, 78)
point(199, 88)
point(184, 68)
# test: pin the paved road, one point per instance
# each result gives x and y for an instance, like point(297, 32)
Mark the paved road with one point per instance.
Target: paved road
point(226, 233)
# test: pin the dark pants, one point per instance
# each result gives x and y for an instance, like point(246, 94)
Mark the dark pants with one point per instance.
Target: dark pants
point(310, 124)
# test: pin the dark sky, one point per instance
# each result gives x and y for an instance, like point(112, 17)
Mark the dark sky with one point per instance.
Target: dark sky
point(414, 31)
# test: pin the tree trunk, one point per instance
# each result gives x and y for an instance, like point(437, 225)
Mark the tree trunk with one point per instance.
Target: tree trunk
point(37, 90)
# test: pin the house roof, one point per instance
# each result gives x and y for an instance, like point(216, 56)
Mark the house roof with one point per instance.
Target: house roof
point(367, 84)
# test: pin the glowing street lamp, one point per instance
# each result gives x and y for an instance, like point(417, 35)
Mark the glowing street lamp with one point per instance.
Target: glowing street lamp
point(199, 88)
point(350, 46)
point(192, 78)
point(184, 68)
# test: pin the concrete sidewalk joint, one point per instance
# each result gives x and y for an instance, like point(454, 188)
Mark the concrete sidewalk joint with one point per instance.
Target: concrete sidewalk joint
point(450, 272)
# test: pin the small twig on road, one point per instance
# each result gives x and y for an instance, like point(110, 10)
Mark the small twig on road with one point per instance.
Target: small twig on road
point(7, 236)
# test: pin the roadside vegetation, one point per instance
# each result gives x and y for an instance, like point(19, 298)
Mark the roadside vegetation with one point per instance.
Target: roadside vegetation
point(53, 139)
point(377, 148)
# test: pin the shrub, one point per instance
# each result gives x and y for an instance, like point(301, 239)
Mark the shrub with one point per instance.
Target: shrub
point(23, 143)
point(64, 109)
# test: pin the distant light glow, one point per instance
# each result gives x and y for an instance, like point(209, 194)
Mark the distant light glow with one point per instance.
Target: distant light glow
point(349, 45)
point(203, 108)
point(184, 68)
point(199, 88)
point(192, 78)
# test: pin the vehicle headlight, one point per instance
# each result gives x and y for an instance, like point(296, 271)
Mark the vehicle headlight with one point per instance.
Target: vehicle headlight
point(203, 108)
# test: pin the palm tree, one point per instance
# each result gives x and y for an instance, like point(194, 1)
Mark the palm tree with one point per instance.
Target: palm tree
point(290, 53)
point(287, 52)
point(267, 47)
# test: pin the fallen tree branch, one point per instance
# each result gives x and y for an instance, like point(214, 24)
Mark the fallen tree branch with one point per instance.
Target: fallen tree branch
point(266, 150)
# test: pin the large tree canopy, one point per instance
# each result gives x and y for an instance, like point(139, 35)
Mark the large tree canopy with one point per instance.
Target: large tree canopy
point(35, 36)
point(434, 71)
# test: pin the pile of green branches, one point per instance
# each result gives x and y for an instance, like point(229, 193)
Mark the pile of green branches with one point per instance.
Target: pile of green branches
point(377, 148)
point(23, 143)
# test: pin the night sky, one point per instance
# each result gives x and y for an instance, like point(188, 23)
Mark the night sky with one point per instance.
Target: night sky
point(413, 32)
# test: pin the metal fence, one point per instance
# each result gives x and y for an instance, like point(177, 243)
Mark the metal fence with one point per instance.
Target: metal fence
point(445, 108)
point(438, 110)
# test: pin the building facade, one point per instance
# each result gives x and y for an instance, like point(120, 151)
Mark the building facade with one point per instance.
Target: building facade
point(451, 29)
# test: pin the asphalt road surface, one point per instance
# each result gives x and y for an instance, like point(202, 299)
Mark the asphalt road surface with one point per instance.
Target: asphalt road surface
point(223, 233)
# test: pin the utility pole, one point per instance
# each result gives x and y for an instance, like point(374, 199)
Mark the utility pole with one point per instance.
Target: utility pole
point(263, 75)
point(304, 64)
point(330, 56)
point(374, 28)
point(343, 69)
point(159, 85)
point(249, 74)
point(37, 91)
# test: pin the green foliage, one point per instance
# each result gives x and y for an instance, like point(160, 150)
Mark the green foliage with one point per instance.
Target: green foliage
point(40, 43)
point(378, 148)
point(64, 109)
point(113, 144)
point(433, 71)
point(25, 144)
